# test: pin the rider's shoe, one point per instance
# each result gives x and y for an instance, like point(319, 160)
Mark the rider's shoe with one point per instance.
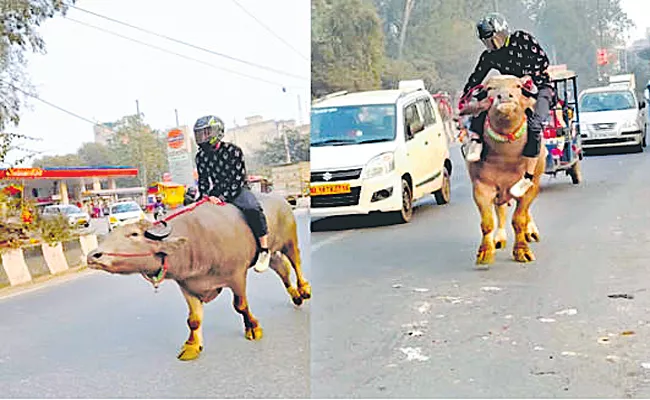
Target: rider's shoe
point(521, 187)
point(263, 261)
point(474, 149)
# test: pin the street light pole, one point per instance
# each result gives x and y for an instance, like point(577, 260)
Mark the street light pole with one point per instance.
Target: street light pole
point(496, 5)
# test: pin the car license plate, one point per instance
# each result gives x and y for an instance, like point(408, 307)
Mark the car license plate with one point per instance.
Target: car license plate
point(323, 190)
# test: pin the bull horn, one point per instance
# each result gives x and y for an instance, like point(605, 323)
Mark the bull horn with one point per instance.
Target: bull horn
point(158, 233)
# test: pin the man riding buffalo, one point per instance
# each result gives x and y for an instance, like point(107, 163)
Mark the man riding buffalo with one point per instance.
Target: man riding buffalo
point(518, 54)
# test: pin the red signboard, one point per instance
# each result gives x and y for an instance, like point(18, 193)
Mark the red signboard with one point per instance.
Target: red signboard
point(601, 57)
point(38, 173)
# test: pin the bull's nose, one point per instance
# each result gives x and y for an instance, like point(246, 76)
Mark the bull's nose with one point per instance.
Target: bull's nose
point(94, 255)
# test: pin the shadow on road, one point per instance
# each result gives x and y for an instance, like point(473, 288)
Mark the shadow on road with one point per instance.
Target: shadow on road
point(374, 220)
point(351, 222)
point(611, 151)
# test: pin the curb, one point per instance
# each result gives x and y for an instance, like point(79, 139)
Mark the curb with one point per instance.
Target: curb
point(28, 264)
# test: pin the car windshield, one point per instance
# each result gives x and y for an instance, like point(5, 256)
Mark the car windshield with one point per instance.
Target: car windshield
point(352, 124)
point(607, 101)
point(124, 208)
point(66, 210)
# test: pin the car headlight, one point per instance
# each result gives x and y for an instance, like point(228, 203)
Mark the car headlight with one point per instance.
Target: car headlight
point(630, 126)
point(380, 165)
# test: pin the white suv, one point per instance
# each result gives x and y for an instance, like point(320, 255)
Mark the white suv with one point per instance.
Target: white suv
point(377, 151)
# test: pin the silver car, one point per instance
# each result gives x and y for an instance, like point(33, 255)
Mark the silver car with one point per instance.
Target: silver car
point(75, 216)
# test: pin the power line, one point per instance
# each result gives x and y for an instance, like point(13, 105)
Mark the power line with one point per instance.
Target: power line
point(250, 63)
point(26, 93)
point(270, 30)
point(178, 54)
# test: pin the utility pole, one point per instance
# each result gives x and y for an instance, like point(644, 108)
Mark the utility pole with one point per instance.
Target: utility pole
point(495, 3)
point(408, 7)
point(299, 110)
point(600, 37)
point(283, 132)
point(176, 112)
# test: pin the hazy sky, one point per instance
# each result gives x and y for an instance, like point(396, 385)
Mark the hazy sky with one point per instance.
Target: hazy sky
point(639, 13)
point(99, 76)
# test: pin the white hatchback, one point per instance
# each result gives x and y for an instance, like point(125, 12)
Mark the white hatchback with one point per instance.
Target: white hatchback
point(377, 151)
point(611, 116)
point(124, 213)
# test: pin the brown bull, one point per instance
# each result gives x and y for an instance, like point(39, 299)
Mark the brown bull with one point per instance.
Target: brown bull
point(205, 250)
point(502, 166)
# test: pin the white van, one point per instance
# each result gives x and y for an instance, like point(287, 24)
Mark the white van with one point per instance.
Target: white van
point(377, 151)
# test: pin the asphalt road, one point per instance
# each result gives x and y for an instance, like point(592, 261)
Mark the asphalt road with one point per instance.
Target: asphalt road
point(403, 312)
point(104, 336)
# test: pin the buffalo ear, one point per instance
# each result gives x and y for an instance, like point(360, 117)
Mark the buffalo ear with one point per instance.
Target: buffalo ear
point(169, 246)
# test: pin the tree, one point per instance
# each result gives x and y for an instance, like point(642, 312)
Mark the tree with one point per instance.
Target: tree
point(96, 154)
point(88, 155)
point(18, 34)
point(275, 152)
point(576, 29)
point(136, 144)
point(68, 160)
point(347, 46)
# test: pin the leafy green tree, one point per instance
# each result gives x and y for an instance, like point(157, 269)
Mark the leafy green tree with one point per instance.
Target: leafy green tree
point(96, 154)
point(136, 144)
point(68, 160)
point(18, 35)
point(574, 30)
point(275, 152)
point(347, 46)
point(435, 40)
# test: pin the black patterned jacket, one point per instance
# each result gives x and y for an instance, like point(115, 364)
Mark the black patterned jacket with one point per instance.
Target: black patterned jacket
point(521, 55)
point(222, 173)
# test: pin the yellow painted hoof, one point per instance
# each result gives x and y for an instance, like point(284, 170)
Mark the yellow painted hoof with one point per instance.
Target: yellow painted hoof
point(295, 295)
point(254, 333)
point(190, 352)
point(485, 255)
point(532, 237)
point(523, 254)
point(305, 291)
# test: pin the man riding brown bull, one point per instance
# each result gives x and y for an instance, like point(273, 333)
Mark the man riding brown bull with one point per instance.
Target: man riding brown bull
point(222, 174)
point(518, 54)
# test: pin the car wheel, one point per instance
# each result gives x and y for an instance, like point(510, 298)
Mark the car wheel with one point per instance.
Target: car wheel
point(443, 195)
point(575, 172)
point(406, 213)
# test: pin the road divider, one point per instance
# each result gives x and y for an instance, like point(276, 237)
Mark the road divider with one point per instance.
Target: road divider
point(24, 265)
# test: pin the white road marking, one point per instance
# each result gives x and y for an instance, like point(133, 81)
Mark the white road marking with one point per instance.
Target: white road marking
point(334, 238)
point(15, 291)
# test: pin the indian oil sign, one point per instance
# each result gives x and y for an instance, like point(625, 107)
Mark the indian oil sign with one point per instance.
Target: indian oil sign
point(175, 139)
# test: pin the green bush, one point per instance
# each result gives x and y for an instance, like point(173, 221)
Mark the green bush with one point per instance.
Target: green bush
point(53, 230)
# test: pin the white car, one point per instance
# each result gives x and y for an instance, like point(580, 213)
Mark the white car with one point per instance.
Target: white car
point(377, 151)
point(611, 116)
point(124, 213)
point(75, 216)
